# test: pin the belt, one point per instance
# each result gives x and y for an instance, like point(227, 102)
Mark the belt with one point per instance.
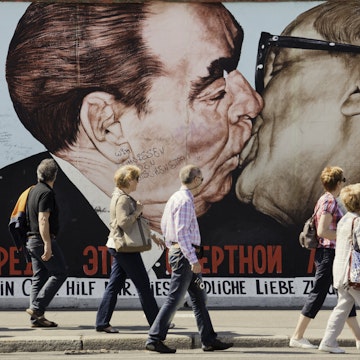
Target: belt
point(176, 245)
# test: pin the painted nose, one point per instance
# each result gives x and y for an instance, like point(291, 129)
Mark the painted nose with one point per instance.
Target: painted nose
point(246, 103)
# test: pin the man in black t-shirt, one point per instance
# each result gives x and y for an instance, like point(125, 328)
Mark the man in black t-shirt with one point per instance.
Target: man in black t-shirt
point(48, 264)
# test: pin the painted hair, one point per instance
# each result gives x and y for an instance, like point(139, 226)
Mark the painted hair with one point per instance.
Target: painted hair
point(59, 53)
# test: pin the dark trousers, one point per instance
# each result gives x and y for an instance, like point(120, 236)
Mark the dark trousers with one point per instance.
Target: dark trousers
point(182, 280)
point(126, 265)
point(48, 276)
point(324, 259)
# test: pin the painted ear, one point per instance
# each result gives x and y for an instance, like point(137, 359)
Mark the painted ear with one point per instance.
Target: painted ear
point(99, 120)
point(100, 116)
point(351, 106)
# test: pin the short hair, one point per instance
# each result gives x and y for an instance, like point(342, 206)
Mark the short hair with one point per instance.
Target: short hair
point(47, 170)
point(334, 20)
point(61, 52)
point(125, 174)
point(350, 196)
point(188, 173)
point(330, 177)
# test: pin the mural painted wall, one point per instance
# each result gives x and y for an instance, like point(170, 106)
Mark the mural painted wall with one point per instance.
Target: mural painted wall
point(98, 86)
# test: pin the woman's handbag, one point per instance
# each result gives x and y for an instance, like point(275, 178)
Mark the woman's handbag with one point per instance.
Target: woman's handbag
point(308, 238)
point(354, 262)
point(136, 239)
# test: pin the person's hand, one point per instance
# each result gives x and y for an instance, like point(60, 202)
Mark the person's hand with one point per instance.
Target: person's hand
point(139, 208)
point(158, 241)
point(196, 268)
point(47, 254)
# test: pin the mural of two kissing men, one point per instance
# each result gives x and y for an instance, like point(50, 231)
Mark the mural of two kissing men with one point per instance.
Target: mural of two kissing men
point(159, 85)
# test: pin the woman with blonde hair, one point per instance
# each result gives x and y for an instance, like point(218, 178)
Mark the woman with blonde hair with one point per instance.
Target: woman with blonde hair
point(327, 215)
point(348, 230)
point(124, 212)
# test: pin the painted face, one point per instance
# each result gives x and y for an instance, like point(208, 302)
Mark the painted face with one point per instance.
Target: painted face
point(199, 109)
point(309, 121)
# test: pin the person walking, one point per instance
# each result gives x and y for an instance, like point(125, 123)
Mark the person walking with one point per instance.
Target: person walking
point(327, 215)
point(347, 232)
point(48, 263)
point(181, 231)
point(124, 211)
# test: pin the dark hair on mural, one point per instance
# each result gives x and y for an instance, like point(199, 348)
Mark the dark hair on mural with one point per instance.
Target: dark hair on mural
point(61, 52)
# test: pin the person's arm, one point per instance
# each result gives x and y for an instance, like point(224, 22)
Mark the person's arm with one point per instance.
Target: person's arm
point(323, 228)
point(124, 218)
point(44, 229)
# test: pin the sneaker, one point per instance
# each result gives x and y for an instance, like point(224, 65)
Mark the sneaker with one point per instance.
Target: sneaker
point(159, 347)
point(302, 344)
point(331, 349)
point(217, 345)
point(172, 326)
point(358, 344)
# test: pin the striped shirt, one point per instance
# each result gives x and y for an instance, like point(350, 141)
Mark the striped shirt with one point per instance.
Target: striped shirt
point(327, 204)
point(179, 223)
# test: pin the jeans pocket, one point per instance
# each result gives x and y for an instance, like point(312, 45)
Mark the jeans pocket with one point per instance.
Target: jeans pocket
point(174, 258)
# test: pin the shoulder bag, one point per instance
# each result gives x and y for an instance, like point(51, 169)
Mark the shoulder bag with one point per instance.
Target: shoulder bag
point(135, 239)
point(354, 261)
point(308, 238)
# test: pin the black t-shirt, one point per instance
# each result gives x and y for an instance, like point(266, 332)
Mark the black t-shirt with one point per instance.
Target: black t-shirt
point(42, 199)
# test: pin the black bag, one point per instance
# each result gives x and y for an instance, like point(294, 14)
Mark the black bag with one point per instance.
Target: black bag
point(308, 238)
point(19, 225)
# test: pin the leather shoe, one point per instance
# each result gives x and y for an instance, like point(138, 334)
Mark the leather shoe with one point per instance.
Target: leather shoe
point(217, 345)
point(108, 330)
point(159, 347)
point(41, 322)
point(35, 314)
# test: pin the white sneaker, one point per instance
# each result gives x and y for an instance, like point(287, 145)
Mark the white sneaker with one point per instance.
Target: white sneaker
point(331, 349)
point(358, 344)
point(301, 343)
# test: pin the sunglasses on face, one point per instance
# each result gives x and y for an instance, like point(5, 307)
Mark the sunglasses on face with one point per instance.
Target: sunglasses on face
point(268, 40)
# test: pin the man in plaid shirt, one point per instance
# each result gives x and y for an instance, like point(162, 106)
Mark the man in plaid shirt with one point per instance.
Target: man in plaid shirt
point(181, 231)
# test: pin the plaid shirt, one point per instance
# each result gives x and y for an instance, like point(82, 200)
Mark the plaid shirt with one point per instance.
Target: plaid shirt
point(327, 204)
point(179, 223)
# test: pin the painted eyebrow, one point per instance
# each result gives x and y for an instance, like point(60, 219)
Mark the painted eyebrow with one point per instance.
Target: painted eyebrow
point(215, 70)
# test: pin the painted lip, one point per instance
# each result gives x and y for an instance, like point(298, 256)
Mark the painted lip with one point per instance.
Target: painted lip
point(249, 152)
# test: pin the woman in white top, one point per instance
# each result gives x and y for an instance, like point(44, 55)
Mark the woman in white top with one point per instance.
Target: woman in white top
point(347, 227)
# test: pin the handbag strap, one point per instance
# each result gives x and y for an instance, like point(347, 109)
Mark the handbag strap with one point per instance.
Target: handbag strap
point(141, 230)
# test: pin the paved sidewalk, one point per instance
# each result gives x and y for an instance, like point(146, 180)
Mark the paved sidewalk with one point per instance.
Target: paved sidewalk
point(246, 328)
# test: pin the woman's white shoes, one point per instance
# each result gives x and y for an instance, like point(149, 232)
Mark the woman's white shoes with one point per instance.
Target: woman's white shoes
point(301, 343)
point(331, 349)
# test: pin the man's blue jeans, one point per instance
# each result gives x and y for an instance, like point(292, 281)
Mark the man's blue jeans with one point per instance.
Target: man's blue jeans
point(182, 280)
point(48, 276)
